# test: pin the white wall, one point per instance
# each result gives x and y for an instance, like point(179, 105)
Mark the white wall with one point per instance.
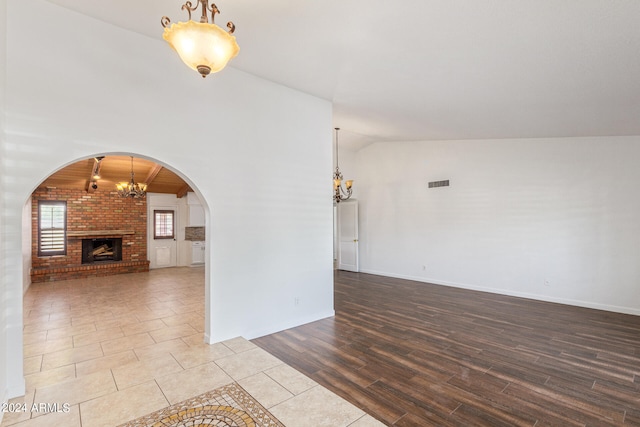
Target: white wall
point(195, 211)
point(26, 245)
point(257, 153)
point(518, 213)
point(4, 301)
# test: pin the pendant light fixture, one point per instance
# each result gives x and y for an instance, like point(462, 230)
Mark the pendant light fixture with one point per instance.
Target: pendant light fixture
point(132, 189)
point(339, 193)
point(203, 46)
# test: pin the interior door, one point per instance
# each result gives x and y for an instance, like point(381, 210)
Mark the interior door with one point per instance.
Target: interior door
point(163, 248)
point(348, 236)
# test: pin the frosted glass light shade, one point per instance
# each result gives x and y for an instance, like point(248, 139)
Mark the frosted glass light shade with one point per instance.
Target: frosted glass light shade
point(204, 47)
point(122, 185)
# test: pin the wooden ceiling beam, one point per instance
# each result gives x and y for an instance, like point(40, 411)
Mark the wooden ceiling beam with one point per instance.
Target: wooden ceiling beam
point(152, 174)
point(183, 191)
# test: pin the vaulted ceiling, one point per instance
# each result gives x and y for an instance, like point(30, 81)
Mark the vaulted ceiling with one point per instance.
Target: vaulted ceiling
point(434, 69)
point(115, 169)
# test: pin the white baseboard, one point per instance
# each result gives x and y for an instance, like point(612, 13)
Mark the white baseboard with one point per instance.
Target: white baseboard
point(3, 401)
point(537, 297)
point(18, 390)
point(288, 325)
point(260, 332)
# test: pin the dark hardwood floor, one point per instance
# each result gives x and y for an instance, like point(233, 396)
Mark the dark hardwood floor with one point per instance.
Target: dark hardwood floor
point(415, 354)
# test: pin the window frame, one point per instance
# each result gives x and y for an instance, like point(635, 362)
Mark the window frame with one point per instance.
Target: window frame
point(155, 224)
point(44, 252)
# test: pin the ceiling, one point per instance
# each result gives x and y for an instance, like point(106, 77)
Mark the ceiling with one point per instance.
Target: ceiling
point(115, 169)
point(434, 69)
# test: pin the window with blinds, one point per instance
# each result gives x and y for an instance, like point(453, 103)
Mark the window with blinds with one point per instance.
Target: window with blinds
point(163, 225)
point(52, 228)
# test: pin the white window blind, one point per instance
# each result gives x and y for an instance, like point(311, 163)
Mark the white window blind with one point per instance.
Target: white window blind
point(52, 228)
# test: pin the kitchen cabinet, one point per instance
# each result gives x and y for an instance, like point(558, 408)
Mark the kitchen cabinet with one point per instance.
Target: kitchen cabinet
point(196, 216)
point(197, 253)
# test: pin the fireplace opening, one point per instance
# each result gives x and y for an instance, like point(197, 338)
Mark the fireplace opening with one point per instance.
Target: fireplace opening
point(100, 250)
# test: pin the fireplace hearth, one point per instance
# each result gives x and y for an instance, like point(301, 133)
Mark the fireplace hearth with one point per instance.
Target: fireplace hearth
point(101, 250)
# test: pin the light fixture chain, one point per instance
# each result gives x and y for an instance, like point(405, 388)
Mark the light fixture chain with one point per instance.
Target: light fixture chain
point(337, 129)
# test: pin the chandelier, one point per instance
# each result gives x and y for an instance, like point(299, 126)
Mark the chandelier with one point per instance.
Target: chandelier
point(339, 193)
point(203, 46)
point(131, 189)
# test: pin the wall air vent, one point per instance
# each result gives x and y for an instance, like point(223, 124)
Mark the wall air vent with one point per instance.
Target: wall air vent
point(434, 184)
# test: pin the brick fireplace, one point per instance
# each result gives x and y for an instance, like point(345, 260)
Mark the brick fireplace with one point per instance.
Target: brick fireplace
point(101, 250)
point(93, 221)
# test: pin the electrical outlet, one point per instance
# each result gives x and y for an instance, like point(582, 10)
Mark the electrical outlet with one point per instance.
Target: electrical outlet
point(296, 301)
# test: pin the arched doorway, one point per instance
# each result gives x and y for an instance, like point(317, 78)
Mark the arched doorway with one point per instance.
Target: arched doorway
point(75, 182)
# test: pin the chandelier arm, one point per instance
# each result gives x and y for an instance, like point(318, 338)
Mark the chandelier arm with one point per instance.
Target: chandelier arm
point(165, 21)
point(338, 196)
point(231, 26)
point(188, 6)
point(214, 11)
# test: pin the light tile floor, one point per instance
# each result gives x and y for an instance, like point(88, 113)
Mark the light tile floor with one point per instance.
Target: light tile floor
point(108, 350)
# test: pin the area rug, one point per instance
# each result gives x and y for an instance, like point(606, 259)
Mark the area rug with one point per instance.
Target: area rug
point(228, 406)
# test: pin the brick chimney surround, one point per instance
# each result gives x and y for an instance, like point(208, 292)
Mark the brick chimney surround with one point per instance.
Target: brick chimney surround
point(98, 215)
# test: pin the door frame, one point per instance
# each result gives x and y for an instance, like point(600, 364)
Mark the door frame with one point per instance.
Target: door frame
point(153, 243)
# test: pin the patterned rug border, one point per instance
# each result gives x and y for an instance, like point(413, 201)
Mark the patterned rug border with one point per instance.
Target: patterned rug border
point(231, 405)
